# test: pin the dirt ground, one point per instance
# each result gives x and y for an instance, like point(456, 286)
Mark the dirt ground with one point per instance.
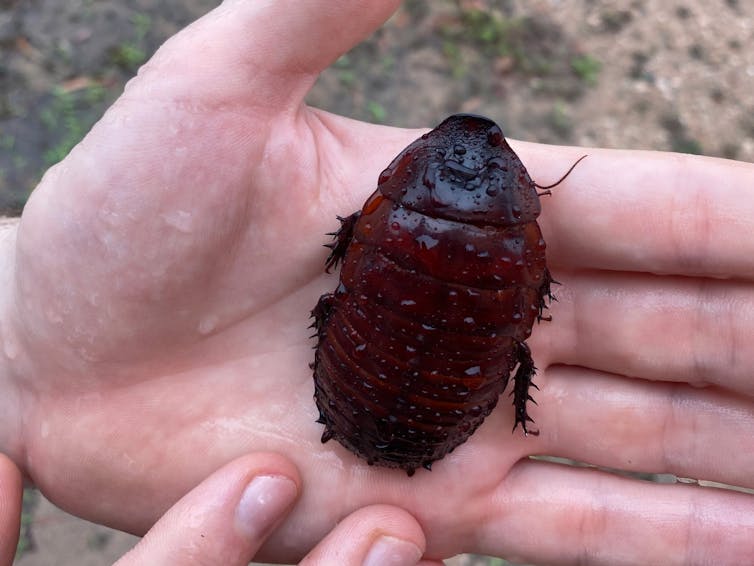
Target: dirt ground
point(642, 74)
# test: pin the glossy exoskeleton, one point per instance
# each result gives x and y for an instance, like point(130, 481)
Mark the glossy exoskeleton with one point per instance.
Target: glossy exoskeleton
point(443, 275)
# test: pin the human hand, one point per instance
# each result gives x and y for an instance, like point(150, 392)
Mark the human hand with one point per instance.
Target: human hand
point(227, 517)
point(11, 491)
point(160, 283)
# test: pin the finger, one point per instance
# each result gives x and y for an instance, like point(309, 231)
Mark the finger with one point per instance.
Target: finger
point(552, 514)
point(372, 536)
point(647, 211)
point(635, 425)
point(225, 519)
point(681, 329)
point(11, 491)
point(266, 54)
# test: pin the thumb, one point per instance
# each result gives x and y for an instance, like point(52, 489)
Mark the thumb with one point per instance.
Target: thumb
point(262, 54)
point(251, 495)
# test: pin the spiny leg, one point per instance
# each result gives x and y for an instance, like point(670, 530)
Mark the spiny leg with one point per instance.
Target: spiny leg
point(321, 314)
point(521, 383)
point(323, 310)
point(545, 295)
point(342, 238)
point(328, 433)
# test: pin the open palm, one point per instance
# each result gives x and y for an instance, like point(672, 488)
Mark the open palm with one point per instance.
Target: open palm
point(165, 271)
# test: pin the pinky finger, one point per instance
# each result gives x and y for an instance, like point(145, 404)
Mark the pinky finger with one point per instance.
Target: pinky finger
point(11, 489)
point(379, 535)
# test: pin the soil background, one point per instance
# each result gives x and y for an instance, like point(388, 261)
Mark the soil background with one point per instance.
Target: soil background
point(672, 75)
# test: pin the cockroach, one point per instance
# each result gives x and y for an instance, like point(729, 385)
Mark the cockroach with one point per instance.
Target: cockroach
point(443, 275)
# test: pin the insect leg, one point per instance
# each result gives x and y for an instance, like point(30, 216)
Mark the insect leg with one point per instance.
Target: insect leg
point(522, 382)
point(319, 397)
point(342, 238)
point(321, 314)
point(545, 295)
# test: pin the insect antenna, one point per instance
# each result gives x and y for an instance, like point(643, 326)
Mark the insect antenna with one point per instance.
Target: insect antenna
point(546, 189)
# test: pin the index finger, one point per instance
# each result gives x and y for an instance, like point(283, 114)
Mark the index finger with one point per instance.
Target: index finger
point(647, 211)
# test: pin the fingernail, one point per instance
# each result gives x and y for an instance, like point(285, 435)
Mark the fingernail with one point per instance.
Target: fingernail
point(391, 551)
point(263, 503)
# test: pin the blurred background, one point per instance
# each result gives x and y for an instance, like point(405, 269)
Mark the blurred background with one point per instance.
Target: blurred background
point(671, 75)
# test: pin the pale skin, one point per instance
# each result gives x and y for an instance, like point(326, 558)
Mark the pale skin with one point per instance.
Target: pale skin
point(157, 289)
point(225, 519)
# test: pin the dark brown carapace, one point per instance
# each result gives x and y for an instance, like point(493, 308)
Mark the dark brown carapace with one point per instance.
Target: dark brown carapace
point(443, 276)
